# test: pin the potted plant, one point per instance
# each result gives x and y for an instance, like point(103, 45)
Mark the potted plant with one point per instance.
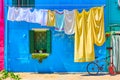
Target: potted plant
point(41, 50)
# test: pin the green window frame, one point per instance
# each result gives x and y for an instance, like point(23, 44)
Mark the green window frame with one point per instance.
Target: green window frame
point(23, 3)
point(40, 40)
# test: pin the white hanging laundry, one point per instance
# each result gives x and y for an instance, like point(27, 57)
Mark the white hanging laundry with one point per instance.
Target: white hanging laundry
point(24, 14)
point(115, 43)
point(19, 17)
point(16, 13)
point(119, 3)
point(69, 22)
point(33, 16)
point(38, 16)
point(43, 20)
point(59, 25)
point(10, 15)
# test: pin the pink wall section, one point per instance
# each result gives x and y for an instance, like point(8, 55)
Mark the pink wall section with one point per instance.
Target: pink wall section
point(1, 36)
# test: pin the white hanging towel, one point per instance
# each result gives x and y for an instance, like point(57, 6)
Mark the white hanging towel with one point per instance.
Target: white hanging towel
point(12, 13)
point(69, 22)
point(24, 14)
point(33, 16)
point(38, 16)
point(43, 16)
point(16, 13)
point(20, 15)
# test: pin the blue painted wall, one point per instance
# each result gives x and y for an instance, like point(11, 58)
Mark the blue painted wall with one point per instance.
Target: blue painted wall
point(114, 10)
point(17, 55)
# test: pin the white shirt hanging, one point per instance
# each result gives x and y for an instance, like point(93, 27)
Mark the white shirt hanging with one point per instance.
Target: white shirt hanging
point(33, 16)
point(43, 20)
point(69, 22)
point(18, 18)
point(24, 14)
point(10, 15)
point(16, 13)
point(38, 16)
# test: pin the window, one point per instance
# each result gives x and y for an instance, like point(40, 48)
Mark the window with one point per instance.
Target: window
point(23, 3)
point(40, 43)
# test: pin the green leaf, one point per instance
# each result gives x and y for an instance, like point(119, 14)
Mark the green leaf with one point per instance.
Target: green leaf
point(0, 78)
point(5, 74)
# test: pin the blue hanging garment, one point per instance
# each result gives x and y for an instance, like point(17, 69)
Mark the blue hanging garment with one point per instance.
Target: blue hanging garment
point(59, 25)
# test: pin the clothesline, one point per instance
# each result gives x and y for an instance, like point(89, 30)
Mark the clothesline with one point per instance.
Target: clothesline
point(68, 5)
point(61, 6)
point(64, 5)
point(44, 17)
point(60, 9)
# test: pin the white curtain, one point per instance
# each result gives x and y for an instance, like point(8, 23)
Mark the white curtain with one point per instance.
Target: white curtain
point(116, 51)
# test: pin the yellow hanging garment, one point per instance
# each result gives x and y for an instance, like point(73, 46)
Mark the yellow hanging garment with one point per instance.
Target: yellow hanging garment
point(87, 33)
point(79, 55)
point(84, 45)
point(98, 30)
point(89, 40)
point(51, 18)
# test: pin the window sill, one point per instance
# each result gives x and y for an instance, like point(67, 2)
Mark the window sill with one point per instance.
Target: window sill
point(40, 56)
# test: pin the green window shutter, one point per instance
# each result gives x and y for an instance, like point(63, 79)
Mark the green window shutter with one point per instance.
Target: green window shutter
point(23, 3)
point(15, 2)
point(48, 41)
point(20, 3)
point(31, 37)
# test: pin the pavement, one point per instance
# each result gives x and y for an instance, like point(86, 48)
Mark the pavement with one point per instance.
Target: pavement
point(67, 76)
